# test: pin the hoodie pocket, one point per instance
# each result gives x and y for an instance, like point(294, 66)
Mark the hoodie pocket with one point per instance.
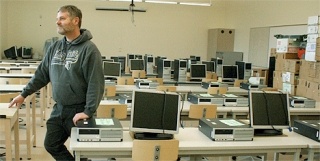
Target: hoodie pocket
point(63, 93)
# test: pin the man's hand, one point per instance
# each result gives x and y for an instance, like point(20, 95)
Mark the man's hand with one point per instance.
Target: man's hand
point(17, 101)
point(79, 116)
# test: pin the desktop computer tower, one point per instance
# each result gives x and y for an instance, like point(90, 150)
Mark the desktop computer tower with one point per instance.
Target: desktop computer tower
point(129, 57)
point(180, 70)
point(148, 61)
point(244, 70)
point(218, 66)
point(137, 56)
point(164, 69)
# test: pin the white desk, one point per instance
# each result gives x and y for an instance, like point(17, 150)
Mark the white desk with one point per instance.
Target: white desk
point(30, 116)
point(43, 92)
point(195, 144)
point(10, 123)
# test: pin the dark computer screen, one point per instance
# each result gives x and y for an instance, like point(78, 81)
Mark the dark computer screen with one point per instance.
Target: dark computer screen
point(210, 65)
point(112, 69)
point(269, 110)
point(229, 72)
point(136, 64)
point(11, 53)
point(150, 59)
point(198, 71)
point(155, 112)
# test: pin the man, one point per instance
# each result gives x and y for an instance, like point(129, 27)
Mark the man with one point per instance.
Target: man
point(74, 67)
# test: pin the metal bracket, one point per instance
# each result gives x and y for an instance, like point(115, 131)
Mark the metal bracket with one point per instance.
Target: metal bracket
point(156, 153)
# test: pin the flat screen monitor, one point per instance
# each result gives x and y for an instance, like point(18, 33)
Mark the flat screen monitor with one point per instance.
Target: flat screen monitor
point(155, 114)
point(210, 65)
point(269, 112)
point(11, 53)
point(229, 72)
point(136, 64)
point(112, 69)
point(198, 71)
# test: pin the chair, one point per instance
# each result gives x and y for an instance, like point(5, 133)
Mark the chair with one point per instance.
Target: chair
point(167, 88)
point(125, 81)
point(138, 74)
point(155, 150)
point(109, 91)
point(217, 90)
point(28, 70)
point(118, 111)
point(159, 80)
point(237, 82)
point(202, 111)
point(7, 97)
point(9, 80)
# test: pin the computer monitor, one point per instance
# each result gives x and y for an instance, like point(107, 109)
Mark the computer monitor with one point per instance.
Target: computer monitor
point(198, 71)
point(11, 53)
point(107, 60)
point(155, 114)
point(210, 65)
point(112, 69)
point(229, 73)
point(136, 64)
point(269, 112)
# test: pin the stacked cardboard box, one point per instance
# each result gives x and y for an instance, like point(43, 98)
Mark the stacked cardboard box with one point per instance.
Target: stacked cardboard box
point(286, 74)
point(308, 84)
point(313, 34)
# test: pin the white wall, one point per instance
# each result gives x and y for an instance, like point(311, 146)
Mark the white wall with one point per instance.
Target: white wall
point(171, 30)
point(174, 31)
point(3, 24)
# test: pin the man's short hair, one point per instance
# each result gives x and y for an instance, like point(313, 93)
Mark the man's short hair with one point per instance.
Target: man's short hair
point(73, 12)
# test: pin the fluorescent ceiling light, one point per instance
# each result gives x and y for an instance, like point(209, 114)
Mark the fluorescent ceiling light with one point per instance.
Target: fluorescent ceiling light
point(126, 0)
point(165, 2)
point(195, 4)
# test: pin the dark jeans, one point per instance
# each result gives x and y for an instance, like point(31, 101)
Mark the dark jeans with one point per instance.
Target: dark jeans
point(59, 129)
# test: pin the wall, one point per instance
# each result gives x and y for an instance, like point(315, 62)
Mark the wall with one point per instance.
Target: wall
point(3, 24)
point(175, 31)
point(246, 14)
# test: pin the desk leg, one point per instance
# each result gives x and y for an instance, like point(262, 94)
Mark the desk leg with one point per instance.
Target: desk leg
point(276, 156)
point(77, 156)
point(34, 133)
point(310, 154)
point(296, 155)
point(42, 105)
point(16, 140)
point(28, 126)
point(8, 130)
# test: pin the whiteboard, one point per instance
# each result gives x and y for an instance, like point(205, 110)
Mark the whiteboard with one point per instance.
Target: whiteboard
point(262, 40)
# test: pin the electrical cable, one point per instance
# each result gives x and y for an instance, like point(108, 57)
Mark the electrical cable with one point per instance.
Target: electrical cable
point(268, 112)
point(163, 111)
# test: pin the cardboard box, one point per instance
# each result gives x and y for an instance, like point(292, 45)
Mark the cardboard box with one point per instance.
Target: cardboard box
point(301, 87)
point(289, 88)
point(313, 20)
point(312, 38)
point(311, 46)
point(310, 56)
point(280, 57)
point(277, 79)
point(273, 52)
point(312, 90)
point(318, 49)
point(313, 29)
point(288, 77)
point(287, 45)
point(292, 65)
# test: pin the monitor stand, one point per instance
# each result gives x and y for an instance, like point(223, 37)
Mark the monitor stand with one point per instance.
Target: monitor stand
point(267, 132)
point(152, 136)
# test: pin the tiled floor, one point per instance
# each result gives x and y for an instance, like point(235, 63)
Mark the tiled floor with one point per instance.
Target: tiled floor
point(40, 154)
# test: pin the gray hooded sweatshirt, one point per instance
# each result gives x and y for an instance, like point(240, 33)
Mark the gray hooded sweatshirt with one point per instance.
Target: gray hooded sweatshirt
point(75, 71)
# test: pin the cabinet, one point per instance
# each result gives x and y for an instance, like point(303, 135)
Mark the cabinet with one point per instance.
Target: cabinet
point(220, 40)
point(230, 58)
